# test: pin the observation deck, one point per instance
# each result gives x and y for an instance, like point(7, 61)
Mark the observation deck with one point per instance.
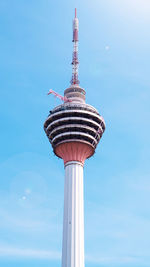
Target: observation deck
point(74, 121)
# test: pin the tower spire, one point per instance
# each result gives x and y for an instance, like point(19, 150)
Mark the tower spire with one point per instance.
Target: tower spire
point(75, 61)
point(75, 12)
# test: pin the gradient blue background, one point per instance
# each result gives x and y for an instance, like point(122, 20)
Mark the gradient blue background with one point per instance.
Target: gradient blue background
point(114, 52)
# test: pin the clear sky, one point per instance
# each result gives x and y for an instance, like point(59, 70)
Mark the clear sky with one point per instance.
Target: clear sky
point(114, 53)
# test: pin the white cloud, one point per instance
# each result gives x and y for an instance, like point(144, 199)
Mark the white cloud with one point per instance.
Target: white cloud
point(56, 255)
point(29, 253)
point(110, 260)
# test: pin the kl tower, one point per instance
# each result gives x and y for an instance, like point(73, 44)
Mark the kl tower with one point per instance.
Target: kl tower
point(74, 129)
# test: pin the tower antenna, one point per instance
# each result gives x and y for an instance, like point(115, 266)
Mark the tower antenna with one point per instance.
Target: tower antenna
point(75, 61)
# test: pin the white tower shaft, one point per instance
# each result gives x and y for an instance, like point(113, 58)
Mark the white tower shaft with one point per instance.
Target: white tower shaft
point(73, 225)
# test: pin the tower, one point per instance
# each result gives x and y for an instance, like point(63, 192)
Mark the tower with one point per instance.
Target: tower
point(74, 129)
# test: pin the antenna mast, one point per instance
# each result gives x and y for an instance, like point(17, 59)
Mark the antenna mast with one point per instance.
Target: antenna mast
point(75, 61)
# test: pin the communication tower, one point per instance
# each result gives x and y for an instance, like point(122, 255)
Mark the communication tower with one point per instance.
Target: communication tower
point(74, 130)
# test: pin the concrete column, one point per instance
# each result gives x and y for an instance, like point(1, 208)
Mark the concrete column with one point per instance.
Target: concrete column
point(73, 224)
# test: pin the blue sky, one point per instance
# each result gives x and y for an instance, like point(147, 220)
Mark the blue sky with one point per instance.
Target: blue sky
point(36, 49)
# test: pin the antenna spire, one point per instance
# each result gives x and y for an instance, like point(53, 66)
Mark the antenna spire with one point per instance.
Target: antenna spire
point(75, 12)
point(75, 61)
